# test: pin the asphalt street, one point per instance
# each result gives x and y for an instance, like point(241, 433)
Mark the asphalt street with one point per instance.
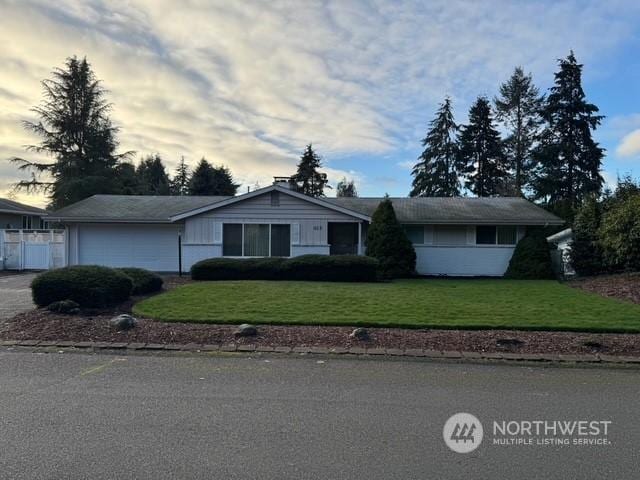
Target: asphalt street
point(100, 416)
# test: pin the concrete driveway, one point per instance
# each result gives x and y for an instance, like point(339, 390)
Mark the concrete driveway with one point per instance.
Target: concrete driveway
point(15, 294)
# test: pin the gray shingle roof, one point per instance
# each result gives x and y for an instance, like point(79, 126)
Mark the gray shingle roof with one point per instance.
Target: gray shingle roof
point(154, 209)
point(9, 206)
point(502, 210)
point(132, 208)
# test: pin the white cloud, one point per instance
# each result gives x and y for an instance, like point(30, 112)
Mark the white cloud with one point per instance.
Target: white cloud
point(629, 145)
point(248, 84)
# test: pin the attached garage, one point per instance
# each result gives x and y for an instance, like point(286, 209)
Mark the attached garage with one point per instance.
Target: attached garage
point(154, 247)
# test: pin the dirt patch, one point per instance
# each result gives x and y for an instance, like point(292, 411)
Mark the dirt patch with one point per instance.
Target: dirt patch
point(624, 286)
point(44, 325)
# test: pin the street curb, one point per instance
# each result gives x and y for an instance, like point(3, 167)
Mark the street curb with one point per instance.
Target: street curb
point(510, 357)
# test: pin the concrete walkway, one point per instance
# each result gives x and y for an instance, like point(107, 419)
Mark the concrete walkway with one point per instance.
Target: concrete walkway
point(15, 294)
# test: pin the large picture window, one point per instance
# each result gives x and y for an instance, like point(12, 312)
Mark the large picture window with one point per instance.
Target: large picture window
point(415, 233)
point(492, 235)
point(256, 240)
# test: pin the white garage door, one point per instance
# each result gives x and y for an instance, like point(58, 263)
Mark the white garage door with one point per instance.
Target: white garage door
point(154, 247)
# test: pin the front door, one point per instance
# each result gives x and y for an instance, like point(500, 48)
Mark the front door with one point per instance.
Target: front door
point(343, 238)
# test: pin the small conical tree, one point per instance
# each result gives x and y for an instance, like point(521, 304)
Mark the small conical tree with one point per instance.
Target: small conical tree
point(180, 181)
point(388, 243)
point(481, 157)
point(435, 174)
point(307, 179)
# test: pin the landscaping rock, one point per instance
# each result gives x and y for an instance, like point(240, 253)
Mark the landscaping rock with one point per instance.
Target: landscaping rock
point(359, 334)
point(246, 330)
point(509, 343)
point(68, 307)
point(123, 322)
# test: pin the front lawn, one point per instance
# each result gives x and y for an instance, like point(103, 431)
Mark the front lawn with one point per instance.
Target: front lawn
point(424, 303)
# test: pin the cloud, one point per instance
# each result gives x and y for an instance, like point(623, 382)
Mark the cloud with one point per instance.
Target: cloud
point(249, 84)
point(629, 145)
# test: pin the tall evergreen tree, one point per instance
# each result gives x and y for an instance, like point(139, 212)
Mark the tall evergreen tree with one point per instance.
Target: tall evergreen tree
point(518, 108)
point(128, 181)
point(307, 179)
point(152, 176)
point(568, 160)
point(210, 180)
point(77, 134)
point(481, 158)
point(180, 181)
point(346, 188)
point(436, 174)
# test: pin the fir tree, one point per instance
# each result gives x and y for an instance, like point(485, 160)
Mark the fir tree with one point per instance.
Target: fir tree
point(307, 179)
point(568, 160)
point(435, 174)
point(518, 108)
point(77, 134)
point(346, 188)
point(481, 158)
point(388, 243)
point(152, 176)
point(180, 181)
point(210, 180)
point(128, 181)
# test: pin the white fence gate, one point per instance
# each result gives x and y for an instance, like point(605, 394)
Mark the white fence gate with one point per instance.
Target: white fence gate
point(32, 249)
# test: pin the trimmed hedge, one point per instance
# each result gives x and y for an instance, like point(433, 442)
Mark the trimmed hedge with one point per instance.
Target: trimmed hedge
point(338, 268)
point(87, 285)
point(531, 259)
point(144, 281)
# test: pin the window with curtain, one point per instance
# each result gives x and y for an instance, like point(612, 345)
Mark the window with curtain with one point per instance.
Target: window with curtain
point(485, 235)
point(280, 240)
point(449, 235)
point(232, 240)
point(415, 233)
point(256, 240)
point(507, 235)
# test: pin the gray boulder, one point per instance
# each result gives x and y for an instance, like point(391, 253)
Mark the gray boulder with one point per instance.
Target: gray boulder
point(246, 330)
point(360, 334)
point(123, 322)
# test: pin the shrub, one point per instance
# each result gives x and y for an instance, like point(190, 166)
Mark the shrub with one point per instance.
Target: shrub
point(143, 280)
point(531, 259)
point(87, 285)
point(64, 306)
point(337, 268)
point(620, 234)
point(237, 269)
point(344, 268)
point(586, 251)
point(388, 243)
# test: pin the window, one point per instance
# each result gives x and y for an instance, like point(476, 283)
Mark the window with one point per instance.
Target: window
point(415, 233)
point(256, 240)
point(507, 235)
point(485, 235)
point(26, 222)
point(280, 240)
point(232, 240)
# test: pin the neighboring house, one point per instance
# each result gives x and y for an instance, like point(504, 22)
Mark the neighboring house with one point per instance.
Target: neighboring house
point(14, 215)
point(562, 254)
point(452, 236)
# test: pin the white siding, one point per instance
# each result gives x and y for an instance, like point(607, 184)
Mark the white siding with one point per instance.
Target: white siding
point(194, 253)
point(297, 250)
point(463, 261)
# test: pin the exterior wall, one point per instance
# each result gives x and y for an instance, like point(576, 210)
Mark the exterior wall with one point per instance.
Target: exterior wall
point(11, 221)
point(203, 235)
point(452, 250)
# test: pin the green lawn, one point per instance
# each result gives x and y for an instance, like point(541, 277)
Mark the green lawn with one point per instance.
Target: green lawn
point(474, 304)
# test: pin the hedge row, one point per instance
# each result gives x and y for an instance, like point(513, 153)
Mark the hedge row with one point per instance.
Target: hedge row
point(339, 268)
point(92, 286)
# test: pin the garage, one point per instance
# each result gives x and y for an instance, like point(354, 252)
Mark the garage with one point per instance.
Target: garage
point(154, 247)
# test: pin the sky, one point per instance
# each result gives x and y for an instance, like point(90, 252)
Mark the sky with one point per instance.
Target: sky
point(248, 84)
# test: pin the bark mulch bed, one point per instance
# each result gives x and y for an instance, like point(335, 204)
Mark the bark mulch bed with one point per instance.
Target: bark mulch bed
point(624, 286)
point(43, 325)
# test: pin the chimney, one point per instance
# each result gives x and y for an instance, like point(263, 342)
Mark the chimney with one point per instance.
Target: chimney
point(282, 182)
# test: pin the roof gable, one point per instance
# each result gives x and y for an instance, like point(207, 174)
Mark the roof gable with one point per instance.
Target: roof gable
point(10, 206)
